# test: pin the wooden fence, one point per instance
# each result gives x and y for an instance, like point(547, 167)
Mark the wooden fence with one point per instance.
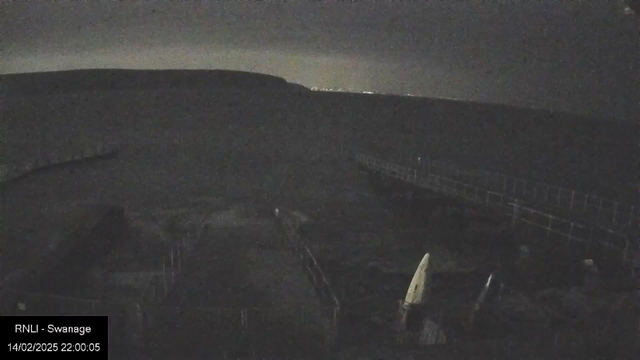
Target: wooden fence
point(289, 224)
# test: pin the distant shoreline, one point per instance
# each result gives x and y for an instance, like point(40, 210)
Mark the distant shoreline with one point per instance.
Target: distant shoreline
point(82, 81)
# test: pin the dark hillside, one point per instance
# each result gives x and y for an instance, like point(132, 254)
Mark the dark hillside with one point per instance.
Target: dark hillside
point(65, 82)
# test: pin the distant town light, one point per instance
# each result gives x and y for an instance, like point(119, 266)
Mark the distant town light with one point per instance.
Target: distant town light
point(316, 88)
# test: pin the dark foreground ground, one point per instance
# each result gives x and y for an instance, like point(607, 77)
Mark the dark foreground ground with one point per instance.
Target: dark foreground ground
point(239, 268)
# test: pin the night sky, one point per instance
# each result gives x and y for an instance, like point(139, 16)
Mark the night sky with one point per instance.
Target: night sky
point(563, 55)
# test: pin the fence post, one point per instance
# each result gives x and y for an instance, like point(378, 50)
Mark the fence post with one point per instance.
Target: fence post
point(626, 251)
point(173, 272)
point(571, 230)
point(164, 278)
point(573, 194)
point(570, 236)
point(546, 193)
point(514, 218)
point(559, 195)
point(179, 255)
point(244, 321)
point(599, 209)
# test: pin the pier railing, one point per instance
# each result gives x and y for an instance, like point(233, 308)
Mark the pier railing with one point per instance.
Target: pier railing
point(615, 215)
point(535, 221)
